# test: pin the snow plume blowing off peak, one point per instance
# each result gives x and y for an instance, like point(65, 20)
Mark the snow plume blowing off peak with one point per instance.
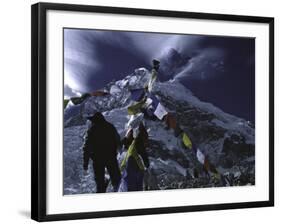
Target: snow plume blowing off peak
point(188, 64)
point(209, 62)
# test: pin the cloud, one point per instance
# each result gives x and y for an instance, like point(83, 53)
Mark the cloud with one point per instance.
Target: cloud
point(69, 92)
point(156, 45)
point(92, 58)
point(79, 58)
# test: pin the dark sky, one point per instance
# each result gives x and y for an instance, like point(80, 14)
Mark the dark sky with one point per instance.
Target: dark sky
point(219, 70)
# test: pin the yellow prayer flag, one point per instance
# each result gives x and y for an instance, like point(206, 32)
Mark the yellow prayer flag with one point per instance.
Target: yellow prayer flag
point(186, 141)
point(135, 108)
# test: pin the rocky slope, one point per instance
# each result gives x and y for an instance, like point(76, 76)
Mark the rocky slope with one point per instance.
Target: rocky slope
point(227, 141)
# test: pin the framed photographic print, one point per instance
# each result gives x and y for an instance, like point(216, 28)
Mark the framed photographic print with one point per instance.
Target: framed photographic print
point(139, 111)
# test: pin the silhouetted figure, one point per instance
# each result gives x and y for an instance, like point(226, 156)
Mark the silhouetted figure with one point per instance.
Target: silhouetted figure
point(101, 144)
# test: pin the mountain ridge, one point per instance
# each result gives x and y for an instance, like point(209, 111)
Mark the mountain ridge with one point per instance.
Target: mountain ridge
point(227, 141)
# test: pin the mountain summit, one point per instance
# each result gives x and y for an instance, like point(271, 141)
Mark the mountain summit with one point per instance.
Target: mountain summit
point(173, 62)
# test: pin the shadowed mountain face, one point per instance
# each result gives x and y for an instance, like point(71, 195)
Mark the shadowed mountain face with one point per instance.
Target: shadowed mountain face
point(228, 141)
point(172, 64)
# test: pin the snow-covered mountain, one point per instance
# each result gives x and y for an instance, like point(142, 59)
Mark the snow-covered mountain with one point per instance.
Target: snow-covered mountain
point(227, 141)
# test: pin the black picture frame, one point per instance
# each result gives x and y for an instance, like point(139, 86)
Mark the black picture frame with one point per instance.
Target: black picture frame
point(39, 122)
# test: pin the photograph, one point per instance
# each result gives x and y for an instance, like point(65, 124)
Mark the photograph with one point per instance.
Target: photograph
point(151, 111)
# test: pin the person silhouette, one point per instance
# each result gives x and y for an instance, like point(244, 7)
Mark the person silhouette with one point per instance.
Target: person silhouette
point(100, 145)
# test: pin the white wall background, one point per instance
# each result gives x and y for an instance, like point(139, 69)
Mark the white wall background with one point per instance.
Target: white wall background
point(15, 110)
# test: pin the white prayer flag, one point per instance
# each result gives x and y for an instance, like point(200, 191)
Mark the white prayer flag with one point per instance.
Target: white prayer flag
point(200, 156)
point(160, 111)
